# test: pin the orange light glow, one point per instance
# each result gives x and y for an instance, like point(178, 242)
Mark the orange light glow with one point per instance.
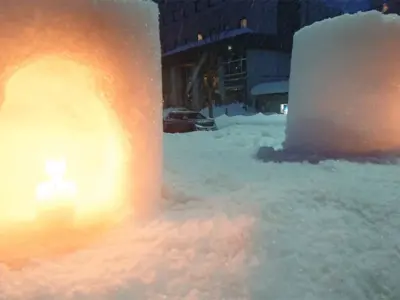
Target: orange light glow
point(56, 190)
point(52, 108)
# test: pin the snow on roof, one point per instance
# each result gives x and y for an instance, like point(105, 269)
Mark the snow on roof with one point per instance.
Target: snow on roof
point(274, 87)
point(222, 36)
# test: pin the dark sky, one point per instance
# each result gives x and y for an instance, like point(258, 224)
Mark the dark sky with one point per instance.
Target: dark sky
point(350, 5)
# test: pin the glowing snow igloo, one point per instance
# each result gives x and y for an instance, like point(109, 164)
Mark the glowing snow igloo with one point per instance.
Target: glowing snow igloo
point(80, 118)
point(345, 86)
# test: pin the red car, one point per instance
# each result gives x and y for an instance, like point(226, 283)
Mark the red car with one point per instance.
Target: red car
point(180, 121)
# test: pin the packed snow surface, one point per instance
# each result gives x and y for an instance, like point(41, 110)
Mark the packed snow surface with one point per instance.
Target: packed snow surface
point(345, 85)
point(237, 228)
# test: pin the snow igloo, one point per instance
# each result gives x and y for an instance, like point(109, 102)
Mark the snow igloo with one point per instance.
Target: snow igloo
point(80, 120)
point(345, 86)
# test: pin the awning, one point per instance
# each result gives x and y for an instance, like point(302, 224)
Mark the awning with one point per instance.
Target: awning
point(267, 88)
point(208, 40)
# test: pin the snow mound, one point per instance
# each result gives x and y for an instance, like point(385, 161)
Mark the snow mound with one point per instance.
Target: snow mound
point(115, 155)
point(256, 119)
point(233, 109)
point(200, 243)
point(345, 86)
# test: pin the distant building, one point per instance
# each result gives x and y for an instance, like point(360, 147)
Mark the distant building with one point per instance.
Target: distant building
point(391, 6)
point(221, 49)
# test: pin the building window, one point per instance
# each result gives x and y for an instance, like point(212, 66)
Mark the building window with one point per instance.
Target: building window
point(196, 6)
point(175, 14)
point(183, 13)
point(385, 8)
point(236, 67)
point(243, 23)
point(212, 32)
point(199, 37)
point(224, 27)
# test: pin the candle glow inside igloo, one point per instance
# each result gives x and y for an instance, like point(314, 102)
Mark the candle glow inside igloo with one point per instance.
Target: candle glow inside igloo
point(80, 121)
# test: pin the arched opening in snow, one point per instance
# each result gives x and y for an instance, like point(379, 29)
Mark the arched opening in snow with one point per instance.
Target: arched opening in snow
point(61, 150)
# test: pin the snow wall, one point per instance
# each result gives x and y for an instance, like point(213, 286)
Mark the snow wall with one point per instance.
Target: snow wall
point(345, 86)
point(119, 41)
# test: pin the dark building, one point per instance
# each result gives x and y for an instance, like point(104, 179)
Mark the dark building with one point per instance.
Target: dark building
point(219, 50)
point(392, 6)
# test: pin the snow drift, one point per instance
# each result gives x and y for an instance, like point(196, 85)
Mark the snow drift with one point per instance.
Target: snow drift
point(345, 86)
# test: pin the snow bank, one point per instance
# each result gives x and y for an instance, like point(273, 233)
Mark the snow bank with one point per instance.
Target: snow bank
point(254, 120)
point(195, 253)
point(345, 86)
point(234, 109)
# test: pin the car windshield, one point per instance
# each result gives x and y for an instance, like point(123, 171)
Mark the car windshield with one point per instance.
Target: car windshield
point(195, 116)
point(187, 116)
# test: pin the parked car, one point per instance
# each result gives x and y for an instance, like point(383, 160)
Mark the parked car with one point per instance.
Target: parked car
point(183, 120)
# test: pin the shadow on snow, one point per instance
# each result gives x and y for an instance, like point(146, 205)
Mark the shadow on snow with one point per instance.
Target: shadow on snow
point(269, 154)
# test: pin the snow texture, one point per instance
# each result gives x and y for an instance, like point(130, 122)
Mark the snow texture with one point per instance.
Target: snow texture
point(119, 41)
point(234, 228)
point(345, 86)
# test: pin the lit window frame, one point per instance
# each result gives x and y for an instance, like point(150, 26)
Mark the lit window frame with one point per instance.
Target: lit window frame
point(243, 23)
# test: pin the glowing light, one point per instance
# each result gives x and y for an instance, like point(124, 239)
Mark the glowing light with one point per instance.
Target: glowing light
point(52, 109)
point(78, 84)
point(56, 189)
point(385, 7)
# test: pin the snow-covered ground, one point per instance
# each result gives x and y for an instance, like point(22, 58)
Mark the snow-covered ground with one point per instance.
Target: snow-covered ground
point(233, 109)
point(237, 228)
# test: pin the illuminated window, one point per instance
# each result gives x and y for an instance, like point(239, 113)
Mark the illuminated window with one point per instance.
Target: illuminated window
point(243, 23)
point(385, 7)
point(199, 37)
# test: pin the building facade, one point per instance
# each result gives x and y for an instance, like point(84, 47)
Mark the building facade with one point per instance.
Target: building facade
point(218, 50)
point(386, 6)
